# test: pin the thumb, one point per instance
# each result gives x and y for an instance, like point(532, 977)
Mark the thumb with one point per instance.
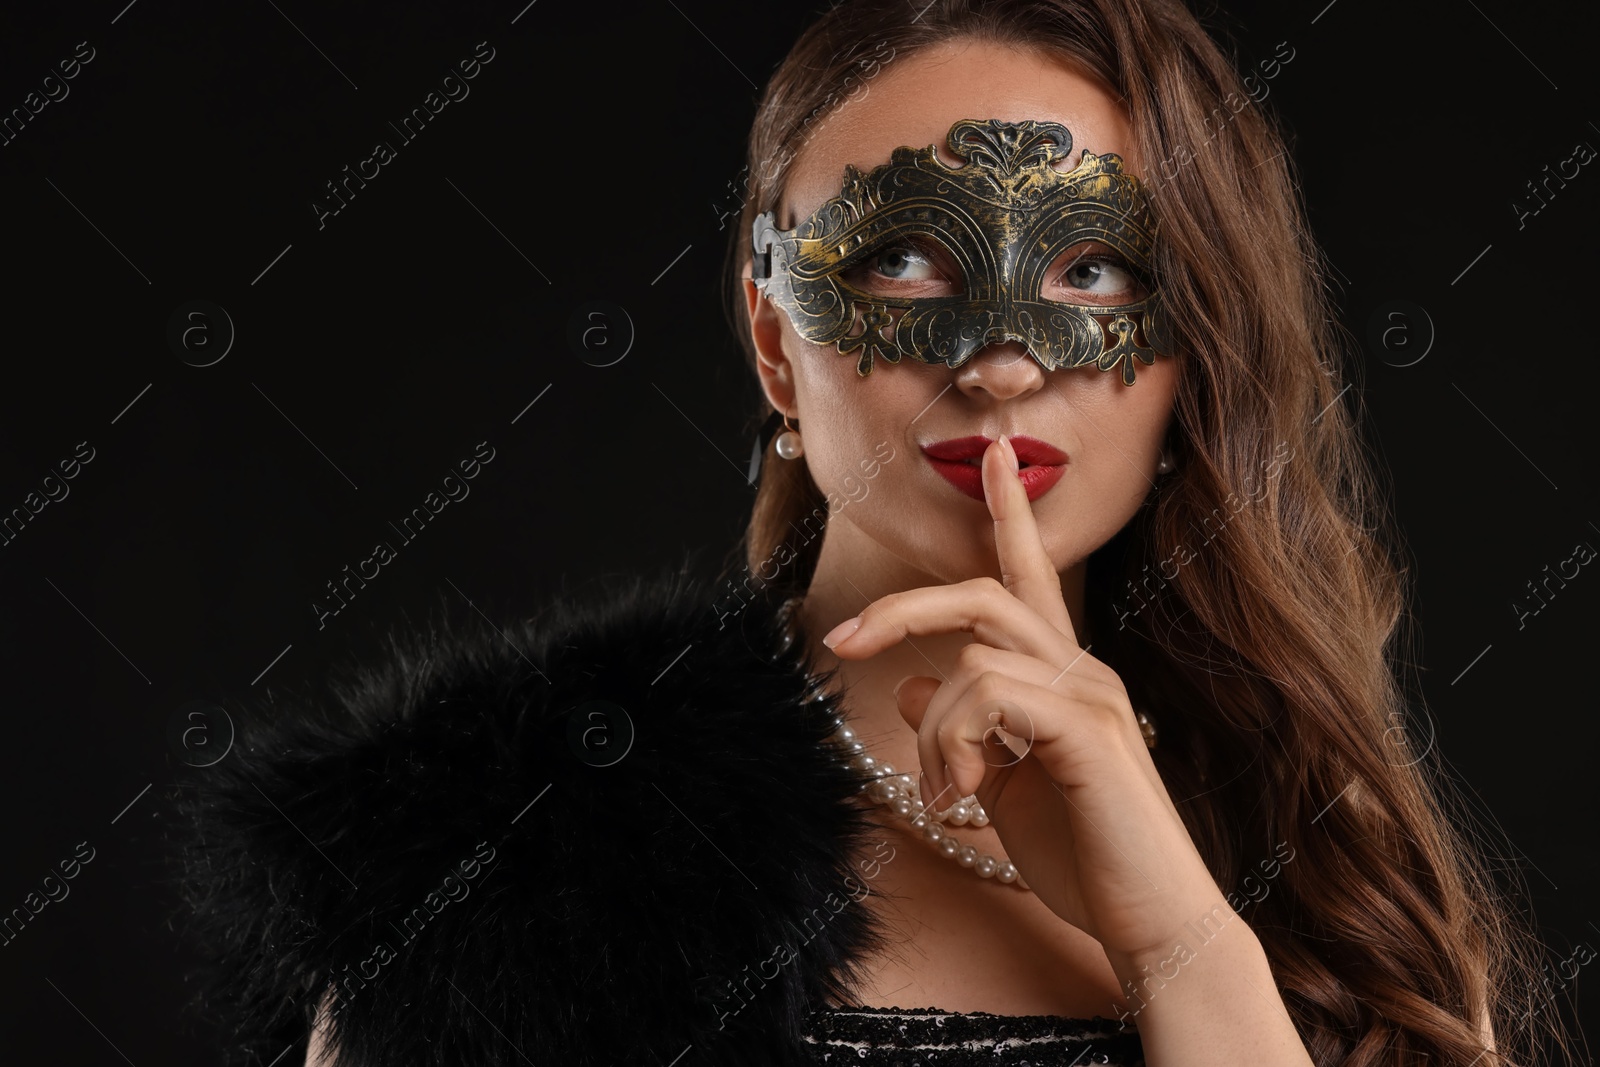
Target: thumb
point(912, 697)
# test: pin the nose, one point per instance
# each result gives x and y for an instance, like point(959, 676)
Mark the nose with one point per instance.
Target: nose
point(1000, 372)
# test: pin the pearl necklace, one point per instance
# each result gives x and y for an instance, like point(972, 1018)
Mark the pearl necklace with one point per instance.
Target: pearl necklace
point(900, 794)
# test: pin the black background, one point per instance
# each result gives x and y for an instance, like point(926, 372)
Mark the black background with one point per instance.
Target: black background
point(590, 162)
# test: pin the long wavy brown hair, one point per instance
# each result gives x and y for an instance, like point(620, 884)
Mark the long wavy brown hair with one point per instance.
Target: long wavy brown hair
point(1276, 653)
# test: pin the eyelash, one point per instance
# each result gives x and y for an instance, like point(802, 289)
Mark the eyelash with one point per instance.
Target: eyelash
point(869, 262)
point(1108, 257)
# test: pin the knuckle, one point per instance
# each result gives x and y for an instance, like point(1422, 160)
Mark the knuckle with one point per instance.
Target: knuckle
point(945, 735)
point(886, 603)
point(1104, 672)
point(990, 685)
point(1111, 720)
point(973, 659)
point(987, 586)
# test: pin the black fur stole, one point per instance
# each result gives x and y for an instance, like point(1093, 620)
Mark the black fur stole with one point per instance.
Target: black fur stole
point(611, 835)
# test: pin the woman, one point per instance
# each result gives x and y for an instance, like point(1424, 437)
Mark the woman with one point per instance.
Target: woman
point(1164, 809)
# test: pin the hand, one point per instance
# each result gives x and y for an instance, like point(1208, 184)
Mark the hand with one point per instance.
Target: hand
point(1074, 796)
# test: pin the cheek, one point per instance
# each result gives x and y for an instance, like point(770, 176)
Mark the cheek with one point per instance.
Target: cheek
point(839, 414)
point(1118, 432)
point(852, 424)
point(1150, 412)
point(1127, 422)
point(848, 419)
point(1136, 418)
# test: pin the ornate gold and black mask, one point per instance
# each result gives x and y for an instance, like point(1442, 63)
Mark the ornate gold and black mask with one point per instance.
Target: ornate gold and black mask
point(1004, 218)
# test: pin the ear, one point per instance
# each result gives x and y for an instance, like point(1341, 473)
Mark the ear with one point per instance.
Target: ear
point(773, 366)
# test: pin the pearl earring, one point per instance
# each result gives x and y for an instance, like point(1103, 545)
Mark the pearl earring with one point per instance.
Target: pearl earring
point(1165, 466)
point(789, 445)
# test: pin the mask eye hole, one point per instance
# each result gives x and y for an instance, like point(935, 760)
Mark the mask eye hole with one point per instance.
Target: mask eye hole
point(908, 266)
point(1092, 274)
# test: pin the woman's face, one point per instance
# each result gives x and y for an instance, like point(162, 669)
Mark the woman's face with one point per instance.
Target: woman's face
point(1111, 433)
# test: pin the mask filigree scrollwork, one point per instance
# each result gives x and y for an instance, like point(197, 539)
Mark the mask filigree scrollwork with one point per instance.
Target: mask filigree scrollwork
point(1004, 217)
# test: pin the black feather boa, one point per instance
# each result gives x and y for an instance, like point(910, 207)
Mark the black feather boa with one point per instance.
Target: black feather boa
point(439, 843)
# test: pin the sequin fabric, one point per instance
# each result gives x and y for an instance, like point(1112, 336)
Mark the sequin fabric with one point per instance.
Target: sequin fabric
point(929, 1037)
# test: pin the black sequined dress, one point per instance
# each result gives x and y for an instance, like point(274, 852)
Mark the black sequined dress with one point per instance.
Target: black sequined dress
point(930, 1037)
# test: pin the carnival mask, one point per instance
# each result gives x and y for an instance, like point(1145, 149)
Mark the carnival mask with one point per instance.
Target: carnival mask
point(1004, 218)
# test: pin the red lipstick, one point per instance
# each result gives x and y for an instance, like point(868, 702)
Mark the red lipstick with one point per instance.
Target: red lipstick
point(960, 462)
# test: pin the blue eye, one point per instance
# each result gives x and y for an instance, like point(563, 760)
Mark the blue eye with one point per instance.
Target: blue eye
point(1098, 273)
point(1099, 276)
point(903, 263)
point(911, 268)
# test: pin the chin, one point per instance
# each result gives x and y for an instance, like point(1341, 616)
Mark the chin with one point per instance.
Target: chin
point(979, 562)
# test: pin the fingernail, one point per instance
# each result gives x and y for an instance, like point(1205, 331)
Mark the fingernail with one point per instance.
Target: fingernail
point(1011, 453)
point(902, 682)
point(925, 789)
point(842, 631)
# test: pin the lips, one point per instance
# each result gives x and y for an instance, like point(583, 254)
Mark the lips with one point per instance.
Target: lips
point(959, 461)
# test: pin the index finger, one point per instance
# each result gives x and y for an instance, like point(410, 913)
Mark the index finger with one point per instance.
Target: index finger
point(1025, 567)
